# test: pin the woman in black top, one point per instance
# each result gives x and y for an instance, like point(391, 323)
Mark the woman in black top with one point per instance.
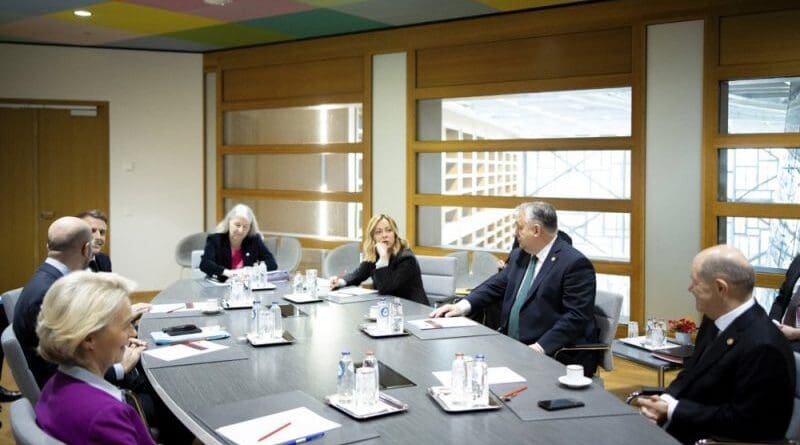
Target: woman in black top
point(388, 261)
point(238, 243)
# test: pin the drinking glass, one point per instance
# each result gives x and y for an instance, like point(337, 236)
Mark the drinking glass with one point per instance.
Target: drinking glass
point(366, 388)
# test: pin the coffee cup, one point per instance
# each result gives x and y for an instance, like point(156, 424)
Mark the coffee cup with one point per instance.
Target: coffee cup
point(574, 373)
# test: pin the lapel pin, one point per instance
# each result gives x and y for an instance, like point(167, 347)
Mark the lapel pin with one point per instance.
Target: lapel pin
point(729, 341)
point(247, 254)
point(552, 259)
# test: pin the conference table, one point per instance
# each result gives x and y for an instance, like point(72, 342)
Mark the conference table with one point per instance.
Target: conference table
point(243, 382)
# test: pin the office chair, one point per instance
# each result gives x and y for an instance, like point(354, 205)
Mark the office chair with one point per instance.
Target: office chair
point(24, 427)
point(438, 278)
point(183, 251)
point(607, 309)
point(19, 366)
point(344, 258)
point(473, 267)
point(10, 302)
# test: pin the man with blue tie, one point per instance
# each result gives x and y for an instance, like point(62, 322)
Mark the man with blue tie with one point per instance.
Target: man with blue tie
point(547, 290)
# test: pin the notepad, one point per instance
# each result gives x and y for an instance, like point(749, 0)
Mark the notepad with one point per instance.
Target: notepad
point(302, 423)
point(497, 375)
point(353, 291)
point(441, 323)
point(207, 333)
point(179, 351)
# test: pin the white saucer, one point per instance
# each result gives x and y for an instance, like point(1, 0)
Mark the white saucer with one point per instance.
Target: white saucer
point(211, 310)
point(581, 382)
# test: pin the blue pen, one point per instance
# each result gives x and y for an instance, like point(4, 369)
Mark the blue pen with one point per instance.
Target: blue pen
point(304, 439)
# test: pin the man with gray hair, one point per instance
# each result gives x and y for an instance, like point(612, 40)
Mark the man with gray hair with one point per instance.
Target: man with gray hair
point(547, 291)
point(739, 383)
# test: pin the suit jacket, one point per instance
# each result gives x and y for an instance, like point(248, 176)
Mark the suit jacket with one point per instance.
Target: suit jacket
point(217, 254)
point(738, 384)
point(560, 308)
point(778, 308)
point(401, 278)
point(25, 315)
point(73, 411)
point(100, 263)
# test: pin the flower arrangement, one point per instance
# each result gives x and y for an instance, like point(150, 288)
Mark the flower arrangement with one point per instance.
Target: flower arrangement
point(685, 325)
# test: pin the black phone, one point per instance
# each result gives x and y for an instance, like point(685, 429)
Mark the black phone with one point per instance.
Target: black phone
point(556, 404)
point(182, 329)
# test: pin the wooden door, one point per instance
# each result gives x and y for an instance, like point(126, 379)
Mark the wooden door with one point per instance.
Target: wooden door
point(18, 227)
point(53, 163)
point(73, 166)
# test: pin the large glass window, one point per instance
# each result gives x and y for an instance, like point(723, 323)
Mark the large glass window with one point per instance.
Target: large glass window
point(559, 174)
point(553, 114)
point(765, 175)
point(768, 243)
point(318, 124)
point(760, 106)
point(287, 189)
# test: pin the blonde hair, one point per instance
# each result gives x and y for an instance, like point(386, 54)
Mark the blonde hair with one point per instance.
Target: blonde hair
point(76, 306)
point(368, 245)
point(241, 211)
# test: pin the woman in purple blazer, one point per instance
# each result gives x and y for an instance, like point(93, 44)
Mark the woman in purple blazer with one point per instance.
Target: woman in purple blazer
point(85, 326)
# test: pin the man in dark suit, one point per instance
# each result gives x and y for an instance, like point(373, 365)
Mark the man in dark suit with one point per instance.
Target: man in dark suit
point(739, 383)
point(98, 221)
point(547, 290)
point(784, 308)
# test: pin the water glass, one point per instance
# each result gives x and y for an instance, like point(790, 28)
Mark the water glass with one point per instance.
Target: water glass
point(656, 332)
point(311, 282)
point(366, 388)
point(633, 329)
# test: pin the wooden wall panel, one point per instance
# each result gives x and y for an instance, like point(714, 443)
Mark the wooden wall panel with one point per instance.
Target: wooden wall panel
point(320, 77)
point(759, 38)
point(548, 57)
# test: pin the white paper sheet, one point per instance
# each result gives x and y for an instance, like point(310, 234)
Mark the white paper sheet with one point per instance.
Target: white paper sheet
point(353, 291)
point(179, 351)
point(302, 423)
point(439, 323)
point(173, 308)
point(497, 375)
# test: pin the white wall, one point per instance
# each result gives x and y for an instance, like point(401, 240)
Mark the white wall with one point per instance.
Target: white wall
point(389, 137)
point(156, 122)
point(673, 171)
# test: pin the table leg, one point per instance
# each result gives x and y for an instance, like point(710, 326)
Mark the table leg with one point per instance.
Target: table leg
point(661, 376)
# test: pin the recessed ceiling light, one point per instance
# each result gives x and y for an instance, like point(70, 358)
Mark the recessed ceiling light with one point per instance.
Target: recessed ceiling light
point(82, 13)
point(218, 2)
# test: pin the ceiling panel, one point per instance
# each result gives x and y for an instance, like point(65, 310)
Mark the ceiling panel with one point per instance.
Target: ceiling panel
point(201, 25)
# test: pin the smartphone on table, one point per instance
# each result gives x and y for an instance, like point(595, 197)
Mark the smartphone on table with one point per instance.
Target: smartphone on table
point(557, 404)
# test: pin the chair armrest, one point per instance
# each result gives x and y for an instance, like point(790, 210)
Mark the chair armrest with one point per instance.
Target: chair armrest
point(584, 347)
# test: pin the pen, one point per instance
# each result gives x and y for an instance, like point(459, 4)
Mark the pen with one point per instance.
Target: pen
point(304, 439)
point(176, 308)
point(433, 323)
point(274, 431)
point(193, 345)
point(513, 393)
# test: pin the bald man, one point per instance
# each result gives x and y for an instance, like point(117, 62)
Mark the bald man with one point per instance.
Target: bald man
point(739, 384)
point(69, 248)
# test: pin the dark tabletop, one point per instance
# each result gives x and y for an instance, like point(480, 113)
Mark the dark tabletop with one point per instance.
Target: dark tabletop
point(310, 365)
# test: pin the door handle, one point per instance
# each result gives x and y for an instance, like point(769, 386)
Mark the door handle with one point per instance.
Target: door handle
point(47, 214)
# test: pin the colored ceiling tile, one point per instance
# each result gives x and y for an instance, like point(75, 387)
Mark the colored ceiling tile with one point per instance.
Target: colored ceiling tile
point(415, 11)
point(47, 30)
point(163, 44)
point(171, 5)
point(229, 35)
point(250, 9)
point(515, 5)
point(332, 3)
point(138, 19)
point(27, 8)
point(318, 22)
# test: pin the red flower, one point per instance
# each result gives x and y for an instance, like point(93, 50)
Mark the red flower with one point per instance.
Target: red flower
point(685, 325)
